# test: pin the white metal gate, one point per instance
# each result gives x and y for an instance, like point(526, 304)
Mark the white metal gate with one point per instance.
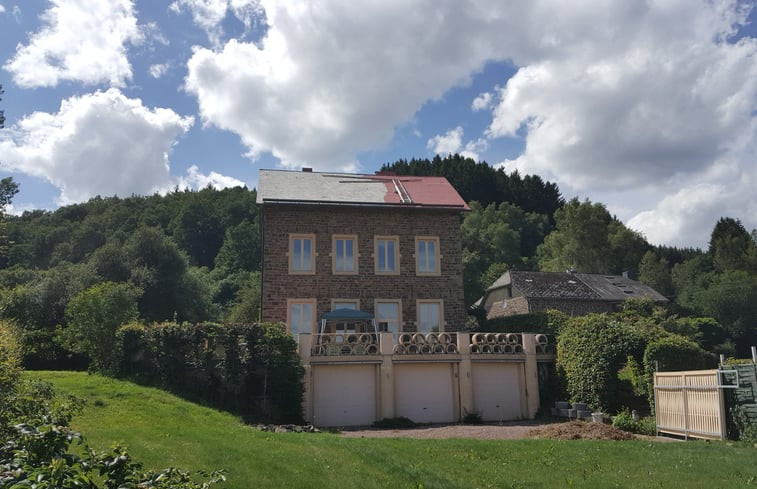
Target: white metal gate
point(690, 404)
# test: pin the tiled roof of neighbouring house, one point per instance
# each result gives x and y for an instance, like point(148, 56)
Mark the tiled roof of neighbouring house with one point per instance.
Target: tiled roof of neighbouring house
point(277, 186)
point(565, 285)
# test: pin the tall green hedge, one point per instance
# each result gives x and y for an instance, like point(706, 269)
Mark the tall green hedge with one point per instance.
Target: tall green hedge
point(251, 370)
point(590, 351)
point(672, 353)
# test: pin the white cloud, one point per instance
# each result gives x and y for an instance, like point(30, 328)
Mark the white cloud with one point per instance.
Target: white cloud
point(151, 32)
point(80, 40)
point(335, 78)
point(482, 102)
point(452, 142)
point(209, 14)
point(101, 143)
point(197, 180)
point(158, 70)
point(609, 95)
point(2, 9)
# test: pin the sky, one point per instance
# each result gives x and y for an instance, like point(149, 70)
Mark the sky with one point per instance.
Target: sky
point(649, 107)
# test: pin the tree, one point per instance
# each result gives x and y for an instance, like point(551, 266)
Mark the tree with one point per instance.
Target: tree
point(730, 245)
point(655, 272)
point(498, 233)
point(158, 268)
point(240, 249)
point(8, 188)
point(93, 317)
point(580, 240)
point(589, 240)
point(246, 308)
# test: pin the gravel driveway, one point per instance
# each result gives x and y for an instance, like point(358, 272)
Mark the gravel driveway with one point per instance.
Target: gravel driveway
point(503, 431)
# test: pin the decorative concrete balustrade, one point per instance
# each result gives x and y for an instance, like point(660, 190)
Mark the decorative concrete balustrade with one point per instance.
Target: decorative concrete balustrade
point(336, 344)
point(426, 344)
point(356, 344)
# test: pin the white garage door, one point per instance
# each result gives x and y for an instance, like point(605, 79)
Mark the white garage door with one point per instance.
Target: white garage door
point(423, 393)
point(344, 395)
point(496, 391)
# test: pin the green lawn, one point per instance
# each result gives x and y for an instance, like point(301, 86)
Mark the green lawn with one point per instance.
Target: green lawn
point(162, 430)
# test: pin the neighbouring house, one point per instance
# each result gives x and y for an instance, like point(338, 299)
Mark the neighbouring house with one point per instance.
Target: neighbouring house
point(366, 271)
point(379, 243)
point(519, 292)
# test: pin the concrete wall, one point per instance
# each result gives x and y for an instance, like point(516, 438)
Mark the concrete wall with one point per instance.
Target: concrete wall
point(279, 221)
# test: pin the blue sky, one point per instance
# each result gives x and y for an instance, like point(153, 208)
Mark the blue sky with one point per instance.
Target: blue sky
point(648, 107)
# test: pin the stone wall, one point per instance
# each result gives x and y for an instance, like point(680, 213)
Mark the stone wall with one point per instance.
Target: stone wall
point(281, 220)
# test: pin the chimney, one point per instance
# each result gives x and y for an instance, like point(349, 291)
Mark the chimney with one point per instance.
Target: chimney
point(306, 169)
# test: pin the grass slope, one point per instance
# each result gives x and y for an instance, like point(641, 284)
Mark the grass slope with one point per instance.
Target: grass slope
point(162, 430)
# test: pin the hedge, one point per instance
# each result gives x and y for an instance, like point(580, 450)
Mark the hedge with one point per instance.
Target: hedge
point(546, 322)
point(590, 351)
point(250, 370)
point(670, 354)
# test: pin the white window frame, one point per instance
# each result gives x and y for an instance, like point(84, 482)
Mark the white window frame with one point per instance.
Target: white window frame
point(398, 302)
point(387, 239)
point(422, 259)
point(335, 257)
point(295, 268)
point(419, 306)
point(313, 314)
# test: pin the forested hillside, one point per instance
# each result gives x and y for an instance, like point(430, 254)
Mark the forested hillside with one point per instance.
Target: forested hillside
point(195, 256)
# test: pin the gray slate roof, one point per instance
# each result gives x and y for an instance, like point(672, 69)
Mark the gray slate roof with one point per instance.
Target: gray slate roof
point(583, 286)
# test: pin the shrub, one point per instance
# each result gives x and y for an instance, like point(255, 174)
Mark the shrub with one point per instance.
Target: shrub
point(472, 417)
point(547, 322)
point(671, 353)
point(251, 370)
point(93, 317)
point(644, 426)
point(397, 423)
point(590, 351)
point(10, 356)
point(36, 450)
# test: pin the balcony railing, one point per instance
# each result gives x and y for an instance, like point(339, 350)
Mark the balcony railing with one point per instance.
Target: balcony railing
point(496, 343)
point(426, 344)
point(362, 344)
point(345, 344)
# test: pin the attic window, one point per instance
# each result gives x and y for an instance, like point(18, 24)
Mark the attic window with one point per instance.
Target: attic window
point(629, 292)
point(572, 282)
point(529, 280)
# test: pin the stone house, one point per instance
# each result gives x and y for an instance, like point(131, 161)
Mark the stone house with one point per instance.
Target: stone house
point(519, 292)
point(342, 252)
point(379, 243)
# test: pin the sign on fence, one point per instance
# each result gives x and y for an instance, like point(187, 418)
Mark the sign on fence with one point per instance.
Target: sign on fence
point(690, 404)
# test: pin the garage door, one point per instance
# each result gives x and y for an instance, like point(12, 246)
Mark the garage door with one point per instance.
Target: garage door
point(344, 395)
point(496, 391)
point(423, 393)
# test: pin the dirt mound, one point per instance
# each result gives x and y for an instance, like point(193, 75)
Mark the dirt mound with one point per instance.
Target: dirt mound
point(580, 430)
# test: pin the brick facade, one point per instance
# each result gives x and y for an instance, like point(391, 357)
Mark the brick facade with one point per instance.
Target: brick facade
point(324, 221)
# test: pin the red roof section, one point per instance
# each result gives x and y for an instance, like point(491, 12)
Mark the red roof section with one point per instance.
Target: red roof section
point(422, 190)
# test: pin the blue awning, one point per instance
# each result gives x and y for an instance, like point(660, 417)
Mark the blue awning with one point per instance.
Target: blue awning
point(347, 315)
